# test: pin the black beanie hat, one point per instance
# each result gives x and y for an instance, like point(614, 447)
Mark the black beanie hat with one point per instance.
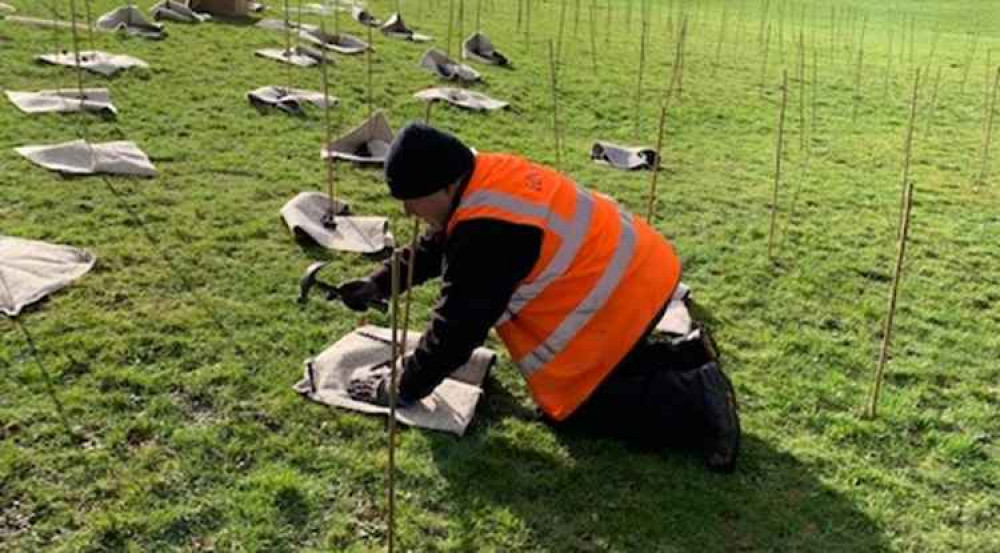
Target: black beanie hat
point(423, 160)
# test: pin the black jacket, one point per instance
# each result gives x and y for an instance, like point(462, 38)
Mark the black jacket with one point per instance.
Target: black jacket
point(481, 264)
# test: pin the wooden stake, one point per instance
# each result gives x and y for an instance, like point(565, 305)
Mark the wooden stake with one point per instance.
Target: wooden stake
point(904, 229)
point(555, 106)
point(988, 131)
point(779, 147)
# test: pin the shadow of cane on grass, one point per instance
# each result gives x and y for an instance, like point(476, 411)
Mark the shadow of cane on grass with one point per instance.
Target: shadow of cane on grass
point(574, 493)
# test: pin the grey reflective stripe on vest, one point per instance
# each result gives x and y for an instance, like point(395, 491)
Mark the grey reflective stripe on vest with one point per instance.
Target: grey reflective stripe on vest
point(571, 242)
point(491, 198)
point(591, 304)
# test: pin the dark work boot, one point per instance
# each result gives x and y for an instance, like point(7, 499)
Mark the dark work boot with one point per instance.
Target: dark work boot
point(722, 442)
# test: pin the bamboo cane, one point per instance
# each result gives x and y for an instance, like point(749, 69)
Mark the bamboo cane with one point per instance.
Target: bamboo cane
point(555, 106)
point(802, 92)
point(90, 24)
point(288, 47)
point(75, 35)
point(593, 35)
point(330, 219)
point(664, 110)
point(368, 63)
point(638, 87)
point(451, 20)
point(395, 355)
point(815, 94)
point(903, 234)
point(562, 24)
point(781, 32)
point(777, 162)
point(986, 84)
point(410, 264)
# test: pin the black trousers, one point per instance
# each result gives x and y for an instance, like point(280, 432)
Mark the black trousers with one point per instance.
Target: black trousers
point(652, 399)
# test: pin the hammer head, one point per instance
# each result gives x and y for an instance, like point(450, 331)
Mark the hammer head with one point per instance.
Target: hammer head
point(308, 280)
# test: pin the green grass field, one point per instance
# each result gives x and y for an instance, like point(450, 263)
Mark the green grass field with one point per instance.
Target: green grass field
point(154, 410)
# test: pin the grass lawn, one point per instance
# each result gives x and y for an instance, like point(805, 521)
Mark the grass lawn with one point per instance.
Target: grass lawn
point(148, 407)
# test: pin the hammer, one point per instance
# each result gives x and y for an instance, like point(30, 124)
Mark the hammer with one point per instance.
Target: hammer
point(309, 280)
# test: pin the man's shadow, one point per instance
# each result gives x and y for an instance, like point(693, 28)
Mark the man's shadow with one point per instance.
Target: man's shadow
point(574, 493)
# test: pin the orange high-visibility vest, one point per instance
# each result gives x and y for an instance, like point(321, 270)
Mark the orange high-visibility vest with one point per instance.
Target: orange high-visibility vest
point(601, 277)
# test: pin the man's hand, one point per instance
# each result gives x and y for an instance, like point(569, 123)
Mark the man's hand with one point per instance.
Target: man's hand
point(358, 294)
point(371, 385)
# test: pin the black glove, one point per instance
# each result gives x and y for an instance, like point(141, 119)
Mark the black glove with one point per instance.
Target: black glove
point(371, 385)
point(360, 293)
